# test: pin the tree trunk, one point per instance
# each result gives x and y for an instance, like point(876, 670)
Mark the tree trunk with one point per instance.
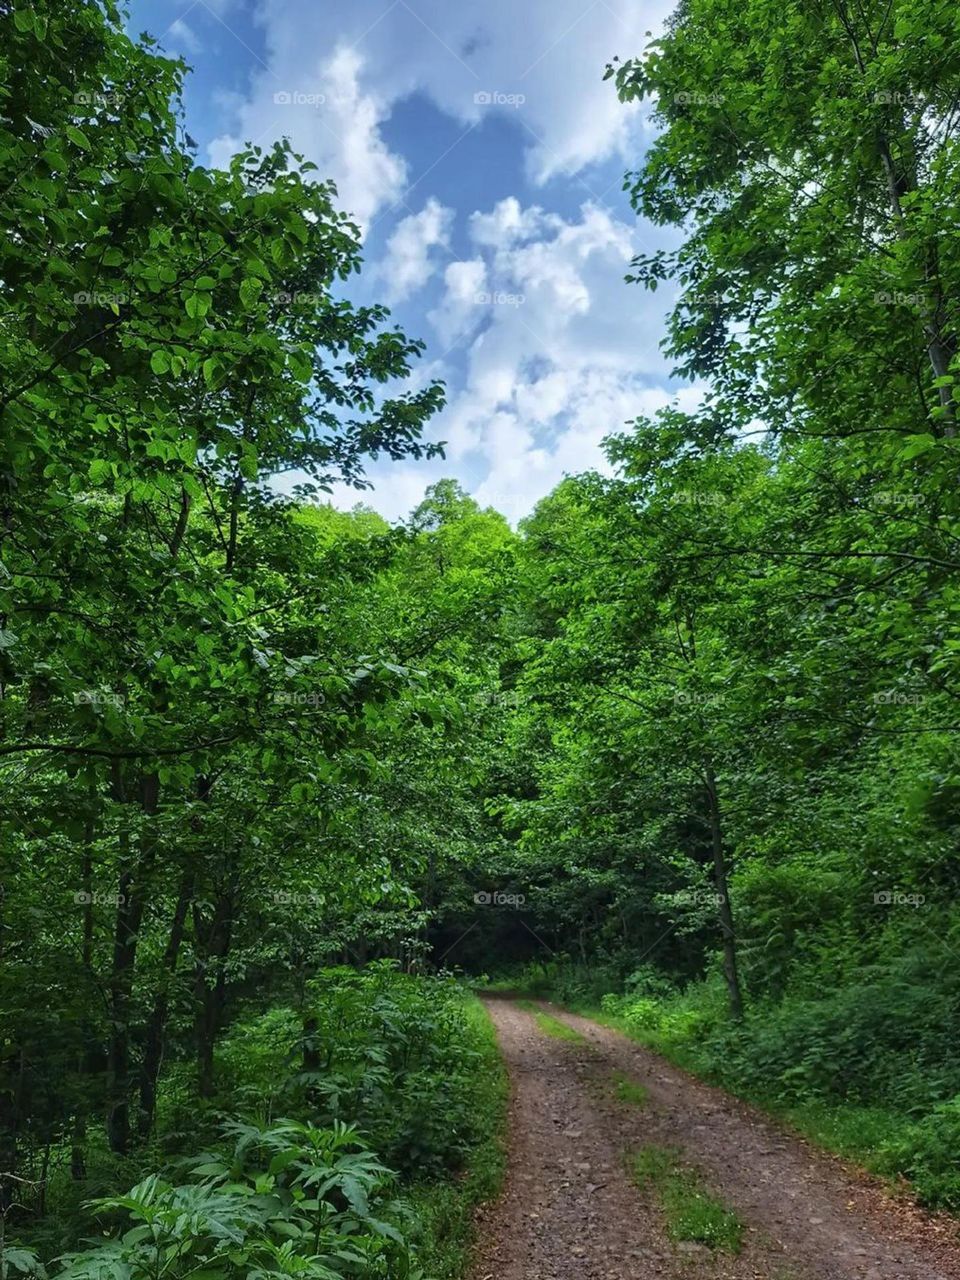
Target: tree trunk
point(724, 910)
point(131, 900)
point(157, 1022)
point(78, 1148)
point(211, 997)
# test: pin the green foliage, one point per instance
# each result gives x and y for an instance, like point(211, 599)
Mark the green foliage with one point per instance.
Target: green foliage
point(287, 1199)
point(928, 1155)
point(409, 1091)
point(445, 1208)
point(684, 744)
point(392, 1052)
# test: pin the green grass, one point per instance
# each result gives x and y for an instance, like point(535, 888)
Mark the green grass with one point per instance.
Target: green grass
point(691, 1211)
point(628, 1090)
point(855, 1132)
point(551, 1026)
point(445, 1209)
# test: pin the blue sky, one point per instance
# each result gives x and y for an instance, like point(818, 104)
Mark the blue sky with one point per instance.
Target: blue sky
point(482, 154)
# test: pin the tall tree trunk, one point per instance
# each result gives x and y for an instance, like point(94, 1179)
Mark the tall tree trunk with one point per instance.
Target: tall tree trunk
point(78, 1138)
point(131, 894)
point(157, 1022)
point(724, 910)
point(13, 1075)
point(78, 1148)
point(213, 945)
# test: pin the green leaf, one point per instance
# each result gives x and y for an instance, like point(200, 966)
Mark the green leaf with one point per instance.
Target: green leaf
point(250, 291)
point(77, 137)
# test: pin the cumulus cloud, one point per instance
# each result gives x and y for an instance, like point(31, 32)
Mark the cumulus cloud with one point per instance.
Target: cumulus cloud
point(330, 119)
point(459, 311)
point(408, 264)
point(546, 349)
point(543, 68)
point(559, 352)
point(508, 224)
point(555, 352)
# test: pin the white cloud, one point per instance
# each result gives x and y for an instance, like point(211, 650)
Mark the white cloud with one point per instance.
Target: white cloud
point(556, 350)
point(559, 354)
point(460, 310)
point(567, 353)
point(331, 120)
point(508, 224)
point(541, 66)
point(181, 38)
point(408, 264)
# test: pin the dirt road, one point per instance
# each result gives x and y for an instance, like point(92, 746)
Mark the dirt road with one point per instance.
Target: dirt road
point(571, 1210)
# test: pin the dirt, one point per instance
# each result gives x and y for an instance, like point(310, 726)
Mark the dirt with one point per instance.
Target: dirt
point(570, 1210)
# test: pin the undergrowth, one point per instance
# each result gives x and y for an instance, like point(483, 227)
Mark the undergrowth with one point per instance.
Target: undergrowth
point(353, 1136)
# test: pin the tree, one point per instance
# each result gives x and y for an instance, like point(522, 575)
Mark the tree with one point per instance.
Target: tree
point(171, 342)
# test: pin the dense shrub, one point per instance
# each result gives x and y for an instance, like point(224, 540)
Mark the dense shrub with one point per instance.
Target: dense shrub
point(884, 1041)
point(387, 1051)
point(395, 1083)
point(288, 1199)
point(929, 1155)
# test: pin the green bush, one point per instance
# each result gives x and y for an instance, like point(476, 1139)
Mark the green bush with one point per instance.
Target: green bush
point(387, 1051)
point(929, 1155)
point(283, 1200)
point(884, 1041)
point(641, 1013)
point(396, 1085)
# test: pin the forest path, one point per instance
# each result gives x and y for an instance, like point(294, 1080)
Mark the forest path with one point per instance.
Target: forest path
point(570, 1210)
